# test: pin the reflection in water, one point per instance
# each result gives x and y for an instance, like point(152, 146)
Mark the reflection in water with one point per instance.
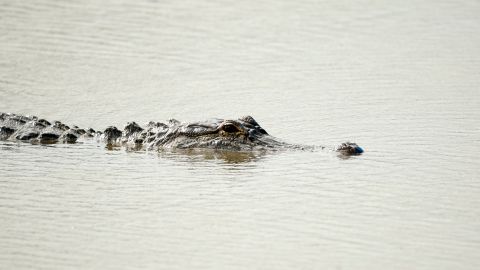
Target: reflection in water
point(193, 155)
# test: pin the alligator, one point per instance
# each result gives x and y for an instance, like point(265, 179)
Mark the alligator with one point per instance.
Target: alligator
point(243, 134)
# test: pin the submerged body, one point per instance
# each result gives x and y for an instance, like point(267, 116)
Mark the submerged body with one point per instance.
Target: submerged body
point(243, 134)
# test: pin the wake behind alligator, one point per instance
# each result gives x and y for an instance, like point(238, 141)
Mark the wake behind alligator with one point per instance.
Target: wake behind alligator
point(243, 134)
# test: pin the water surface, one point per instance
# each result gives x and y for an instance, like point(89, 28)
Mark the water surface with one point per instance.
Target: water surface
point(400, 78)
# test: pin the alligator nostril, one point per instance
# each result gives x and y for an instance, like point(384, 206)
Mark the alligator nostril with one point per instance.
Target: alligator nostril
point(350, 149)
point(358, 150)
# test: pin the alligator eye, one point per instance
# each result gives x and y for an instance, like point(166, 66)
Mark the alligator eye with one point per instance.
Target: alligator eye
point(230, 128)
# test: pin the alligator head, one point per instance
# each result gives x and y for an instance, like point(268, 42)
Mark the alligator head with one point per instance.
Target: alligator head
point(241, 134)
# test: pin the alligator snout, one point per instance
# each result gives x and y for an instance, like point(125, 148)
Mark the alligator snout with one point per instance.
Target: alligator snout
point(349, 148)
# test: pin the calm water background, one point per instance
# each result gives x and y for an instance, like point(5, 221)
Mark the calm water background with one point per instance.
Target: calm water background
point(401, 78)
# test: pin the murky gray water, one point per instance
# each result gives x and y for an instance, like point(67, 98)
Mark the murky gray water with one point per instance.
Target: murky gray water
point(399, 78)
